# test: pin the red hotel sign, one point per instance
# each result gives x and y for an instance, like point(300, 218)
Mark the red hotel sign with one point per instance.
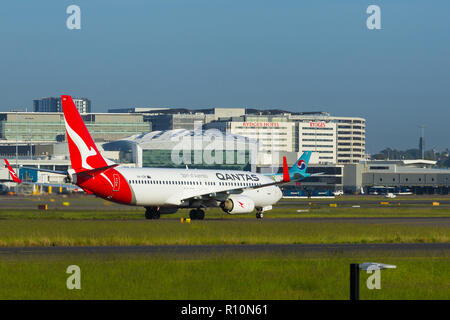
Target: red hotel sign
point(317, 124)
point(260, 124)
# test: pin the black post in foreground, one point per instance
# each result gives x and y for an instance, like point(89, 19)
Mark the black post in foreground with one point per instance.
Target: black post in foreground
point(354, 281)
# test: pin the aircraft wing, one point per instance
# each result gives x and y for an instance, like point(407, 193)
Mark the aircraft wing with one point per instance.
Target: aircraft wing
point(46, 170)
point(223, 195)
point(17, 180)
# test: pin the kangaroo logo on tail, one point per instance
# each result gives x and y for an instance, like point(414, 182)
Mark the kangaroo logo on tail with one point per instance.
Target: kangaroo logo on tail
point(12, 173)
point(81, 145)
point(85, 151)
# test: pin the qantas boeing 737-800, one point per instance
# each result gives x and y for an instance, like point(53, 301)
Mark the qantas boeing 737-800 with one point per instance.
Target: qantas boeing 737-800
point(165, 190)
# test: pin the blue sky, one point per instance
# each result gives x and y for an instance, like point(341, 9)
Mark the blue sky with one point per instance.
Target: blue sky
point(297, 55)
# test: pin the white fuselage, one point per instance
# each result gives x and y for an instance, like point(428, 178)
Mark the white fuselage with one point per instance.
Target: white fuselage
point(168, 187)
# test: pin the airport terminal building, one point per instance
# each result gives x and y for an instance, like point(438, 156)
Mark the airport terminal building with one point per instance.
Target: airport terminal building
point(229, 138)
point(416, 176)
point(334, 140)
point(25, 132)
point(179, 148)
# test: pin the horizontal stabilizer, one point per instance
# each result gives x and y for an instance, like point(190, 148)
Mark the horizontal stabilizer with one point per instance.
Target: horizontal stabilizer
point(93, 172)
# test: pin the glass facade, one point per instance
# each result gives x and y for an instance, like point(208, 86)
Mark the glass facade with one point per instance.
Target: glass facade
point(45, 128)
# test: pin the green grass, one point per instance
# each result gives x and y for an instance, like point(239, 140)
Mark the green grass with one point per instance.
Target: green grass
point(214, 276)
point(44, 232)
point(313, 211)
point(420, 275)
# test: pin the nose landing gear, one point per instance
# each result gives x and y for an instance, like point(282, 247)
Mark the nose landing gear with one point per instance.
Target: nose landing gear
point(259, 214)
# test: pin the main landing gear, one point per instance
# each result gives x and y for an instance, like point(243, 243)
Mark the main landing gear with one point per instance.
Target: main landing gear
point(197, 214)
point(259, 214)
point(152, 213)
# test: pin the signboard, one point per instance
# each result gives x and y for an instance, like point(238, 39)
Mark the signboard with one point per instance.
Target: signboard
point(28, 175)
point(317, 124)
point(260, 124)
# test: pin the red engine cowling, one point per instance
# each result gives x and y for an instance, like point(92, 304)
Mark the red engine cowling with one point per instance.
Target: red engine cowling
point(238, 204)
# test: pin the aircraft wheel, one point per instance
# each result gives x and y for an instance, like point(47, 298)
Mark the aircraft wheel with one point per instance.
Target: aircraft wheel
point(152, 213)
point(197, 214)
point(259, 215)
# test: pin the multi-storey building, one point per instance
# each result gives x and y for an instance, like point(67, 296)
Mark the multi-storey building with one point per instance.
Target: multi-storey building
point(334, 140)
point(21, 129)
point(52, 104)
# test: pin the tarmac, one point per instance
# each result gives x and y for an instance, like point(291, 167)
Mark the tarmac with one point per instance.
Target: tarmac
point(217, 249)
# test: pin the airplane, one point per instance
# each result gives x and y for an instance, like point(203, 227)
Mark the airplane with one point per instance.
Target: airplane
point(298, 171)
point(11, 173)
point(165, 190)
point(17, 180)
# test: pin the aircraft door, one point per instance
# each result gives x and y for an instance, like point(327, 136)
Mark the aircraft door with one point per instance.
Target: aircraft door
point(116, 182)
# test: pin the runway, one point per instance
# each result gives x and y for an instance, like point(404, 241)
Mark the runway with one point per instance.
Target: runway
point(420, 221)
point(424, 221)
point(363, 203)
point(81, 202)
point(217, 249)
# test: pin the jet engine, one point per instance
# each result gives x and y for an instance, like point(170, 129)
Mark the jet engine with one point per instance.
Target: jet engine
point(237, 204)
point(71, 177)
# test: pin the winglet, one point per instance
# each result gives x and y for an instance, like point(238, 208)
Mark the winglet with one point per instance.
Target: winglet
point(12, 173)
point(286, 177)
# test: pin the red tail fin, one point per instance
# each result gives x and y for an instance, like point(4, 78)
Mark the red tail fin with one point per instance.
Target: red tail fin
point(84, 155)
point(286, 177)
point(12, 173)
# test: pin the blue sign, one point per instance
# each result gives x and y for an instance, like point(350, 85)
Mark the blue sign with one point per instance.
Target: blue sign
point(28, 175)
